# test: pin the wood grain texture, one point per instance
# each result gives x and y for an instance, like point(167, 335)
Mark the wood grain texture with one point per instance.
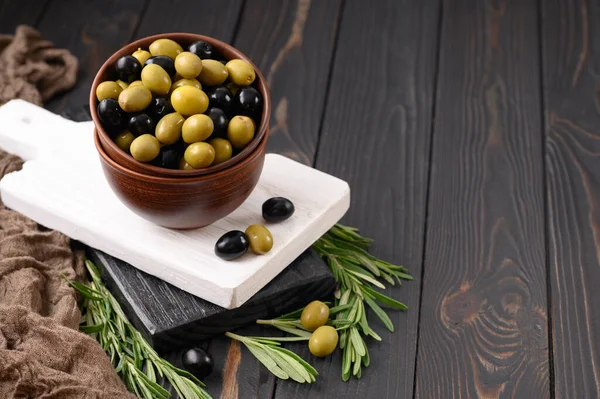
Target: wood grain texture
point(17, 12)
point(571, 55)
point(483, 330)
point(92, 30)
point(292, 43)
point(206, 17)
point(376, 135)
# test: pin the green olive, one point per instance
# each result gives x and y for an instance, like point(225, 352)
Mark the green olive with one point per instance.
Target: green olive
point(134, 99)
point(123, 85)
point(124, 140)
point(183, 165)
point(141, 55)
point(323, 341)
point(240, 131)
point(186, 82)
point(240, 72)
point(196, 128)
point(145, 148)
point(314, 315)
point(261, 240)
point(189, 100)
point(156, 79)
point(166, 47)
point(199, 155)
point(168, 128)
point(188, 65)
point(108, 89)
point(232, 87)
point(136, 83)
point(223, 150)
point(213, 73)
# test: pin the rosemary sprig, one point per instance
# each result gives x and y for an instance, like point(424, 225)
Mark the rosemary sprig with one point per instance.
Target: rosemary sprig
point(282, 362)
point(134, 359)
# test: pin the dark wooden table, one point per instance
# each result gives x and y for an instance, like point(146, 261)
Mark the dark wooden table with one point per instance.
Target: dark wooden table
point(469, 132)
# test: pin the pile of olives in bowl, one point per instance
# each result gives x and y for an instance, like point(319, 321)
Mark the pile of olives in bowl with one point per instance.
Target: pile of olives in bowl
point(180, 108)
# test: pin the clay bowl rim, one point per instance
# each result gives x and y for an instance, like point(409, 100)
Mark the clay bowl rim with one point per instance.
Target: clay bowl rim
point(171, 180)
point(229, 52)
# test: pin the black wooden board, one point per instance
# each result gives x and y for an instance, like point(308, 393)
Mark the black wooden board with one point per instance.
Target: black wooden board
point(169, 317)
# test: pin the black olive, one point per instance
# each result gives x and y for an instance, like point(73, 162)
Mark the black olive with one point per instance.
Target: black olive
point(168, 157)
point(220, 121)
point(159, 107)
point(163, 61)
point(248, 102)
point(111, 115)
point(221, 97)
point(141, 124)
point(198, 362)
point(232, 245)
point(277, 209)
point(203, 50)
point(128, 68)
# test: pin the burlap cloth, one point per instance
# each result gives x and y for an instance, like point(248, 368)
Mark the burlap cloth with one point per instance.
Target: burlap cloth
point(42, 354)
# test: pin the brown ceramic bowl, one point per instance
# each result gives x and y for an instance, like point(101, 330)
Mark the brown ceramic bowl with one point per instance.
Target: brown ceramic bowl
point(184, 39)
point(184, 203)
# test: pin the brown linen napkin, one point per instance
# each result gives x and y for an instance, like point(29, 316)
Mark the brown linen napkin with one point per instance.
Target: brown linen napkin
point(42, 355)
point(32, 69)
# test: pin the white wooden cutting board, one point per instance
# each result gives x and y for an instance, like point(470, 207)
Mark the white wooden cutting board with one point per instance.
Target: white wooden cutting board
point(62, 187)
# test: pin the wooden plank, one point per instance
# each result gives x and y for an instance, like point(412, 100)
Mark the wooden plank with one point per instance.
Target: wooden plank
point(571, 52)
point(376, 134)
point(95, 29)
point(212, 18)
point(20, 12)
point(483, 330)
point(292, 43)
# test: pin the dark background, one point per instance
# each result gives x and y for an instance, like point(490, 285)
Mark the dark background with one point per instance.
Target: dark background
point(469, 133)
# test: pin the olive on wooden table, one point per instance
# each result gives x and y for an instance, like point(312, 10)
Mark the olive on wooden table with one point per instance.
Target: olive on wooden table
point(186, 82)
point(136, 83)
point(199, 155)
point(145, 148)
point(124, 140)
point(189, 100)
point(323, 341)
point(168, 157)
point(156, 79)
point(188, 65)
point(223, 150)
point(231, 245)
point(183, 165)
point(159, 107)
point(240, 72)
point(128, 68)
point(167, 47)
point(134, 99)
point(203, 50)
point(164, 62)
point(277, 209)
point(213, 73)
point(220, 121)
point(221, 97)
point(168, 129)
point(261, 239)
point(141, 55)
point(111, 115)
point(198, 362)
point(197, 128)
point(248, 101)
point(108, 89)
point(240, 131)
point(314, 315)
point(141, 124)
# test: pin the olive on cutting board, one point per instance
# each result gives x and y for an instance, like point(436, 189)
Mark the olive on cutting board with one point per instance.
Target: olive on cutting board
point(198, 362)
point(277, 209)
point(232, 245)
point(261, 239)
